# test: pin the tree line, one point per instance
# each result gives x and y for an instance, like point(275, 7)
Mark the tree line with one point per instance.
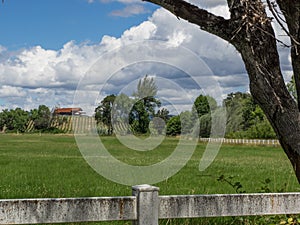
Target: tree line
point(142, 114)
point(18, 120)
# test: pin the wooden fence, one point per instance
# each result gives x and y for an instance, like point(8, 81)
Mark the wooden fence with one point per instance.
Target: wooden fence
point(145, 207)
point(270, 142)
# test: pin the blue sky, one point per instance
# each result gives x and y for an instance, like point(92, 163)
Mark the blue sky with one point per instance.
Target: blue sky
point(50, 48)
point(26, 23)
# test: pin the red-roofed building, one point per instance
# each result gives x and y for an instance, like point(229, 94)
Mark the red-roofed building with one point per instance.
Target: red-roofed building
point(68, 111)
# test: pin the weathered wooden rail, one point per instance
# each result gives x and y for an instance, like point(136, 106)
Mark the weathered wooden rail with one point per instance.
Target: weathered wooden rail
point(145, 207)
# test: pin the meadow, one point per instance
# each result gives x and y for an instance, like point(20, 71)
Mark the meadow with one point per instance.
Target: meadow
point(39, 166)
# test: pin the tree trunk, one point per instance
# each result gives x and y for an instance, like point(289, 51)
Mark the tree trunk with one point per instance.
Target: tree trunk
point(257, 44)
point(269, 91)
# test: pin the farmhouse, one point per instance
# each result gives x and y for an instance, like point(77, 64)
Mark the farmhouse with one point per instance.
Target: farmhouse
point(68, 111)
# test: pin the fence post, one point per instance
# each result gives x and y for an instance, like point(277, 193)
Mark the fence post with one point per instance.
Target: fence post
point(147, 204)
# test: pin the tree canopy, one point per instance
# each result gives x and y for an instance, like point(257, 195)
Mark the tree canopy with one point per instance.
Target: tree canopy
point(103, 112)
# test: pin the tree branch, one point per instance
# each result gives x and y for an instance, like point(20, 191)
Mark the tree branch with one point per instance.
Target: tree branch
point(278, 19)
point(207, 21)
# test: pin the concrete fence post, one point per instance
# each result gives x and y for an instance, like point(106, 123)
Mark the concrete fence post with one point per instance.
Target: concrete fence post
point(147, 204)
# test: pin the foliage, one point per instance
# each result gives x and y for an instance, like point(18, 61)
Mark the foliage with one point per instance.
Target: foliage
point(128, 114)
point(42, 118)
point(236, 185)
point(103, 112)
point(205, 125)
point(245, 119)
point(291, 86)
point(174, 126)
point(36, 120)
point(14, 120)
point(204, 104)
point(139, 118)
point(186, 122)
point(160, 120)
point(144, 106)
point(234, 107)
point(121, 108)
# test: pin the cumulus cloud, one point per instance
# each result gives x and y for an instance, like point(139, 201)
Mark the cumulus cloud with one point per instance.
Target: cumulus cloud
point(10, 91)
point(144, 31)
point(40, 74)
point(34, 76)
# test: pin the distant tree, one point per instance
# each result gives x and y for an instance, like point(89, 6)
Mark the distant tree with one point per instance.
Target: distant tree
point(145, 103)
point(33, 114)
point(260, 126)
point(146, 91)
point(186, 122)
point(14, 119)
point(203, 107)
point(139, 118)
point(174, 126)
point(121, 108)
point(163, 114)
point(234, 107)
point(205, 125)
point(121, 113)
point(245, 118)
point(160, 120)
point(21, 118)
point(203, 104)
point(42, 120)
point(6, 120)
point(103, 112)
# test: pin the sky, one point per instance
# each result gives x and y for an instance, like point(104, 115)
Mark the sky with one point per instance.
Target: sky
point(75, 52)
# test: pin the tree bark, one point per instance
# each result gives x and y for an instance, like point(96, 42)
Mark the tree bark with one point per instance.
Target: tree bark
point(250, 30)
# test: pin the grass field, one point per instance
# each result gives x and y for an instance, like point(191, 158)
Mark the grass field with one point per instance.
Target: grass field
point(33, 166)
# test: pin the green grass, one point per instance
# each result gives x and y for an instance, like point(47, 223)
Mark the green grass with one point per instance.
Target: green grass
point(33, 166)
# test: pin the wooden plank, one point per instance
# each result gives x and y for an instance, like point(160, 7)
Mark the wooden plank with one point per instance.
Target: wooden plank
point(229, 205)
point(61, 210)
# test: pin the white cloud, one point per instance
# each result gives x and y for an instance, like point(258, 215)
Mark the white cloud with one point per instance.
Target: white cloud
point(10, 91)
point(43, 76)
point(177, 38)
point(144, 31)
point(36, 76)
point(131, 10)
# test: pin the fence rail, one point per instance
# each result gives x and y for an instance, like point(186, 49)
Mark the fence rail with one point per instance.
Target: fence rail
point(62, 210)
point(145, 207)
point(271, 142)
